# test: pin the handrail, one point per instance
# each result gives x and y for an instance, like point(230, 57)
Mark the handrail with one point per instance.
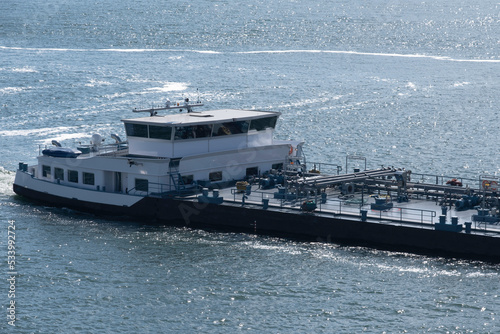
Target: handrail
point(107, 149)
point(338, 206)
point(338, 168)
point(432, 214)
point(163, 189)
point(440, 179)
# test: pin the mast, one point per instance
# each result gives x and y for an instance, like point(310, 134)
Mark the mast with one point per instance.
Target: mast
point(168, 105)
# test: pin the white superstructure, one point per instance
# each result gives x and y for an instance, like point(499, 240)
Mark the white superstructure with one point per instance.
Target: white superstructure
point(162, 154)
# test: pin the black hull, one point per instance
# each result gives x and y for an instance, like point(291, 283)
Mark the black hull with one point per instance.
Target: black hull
point(290, 224)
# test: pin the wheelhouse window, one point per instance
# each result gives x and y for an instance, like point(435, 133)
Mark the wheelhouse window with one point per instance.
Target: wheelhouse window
point(88, 178)
point(230, 128)
point(59, 174)
point(215, 176)
point(45, 171)
point(136, 130)
point(141, 185)
point(160, 132)
point(261, 124)
point(193, 131)
point(73, 176)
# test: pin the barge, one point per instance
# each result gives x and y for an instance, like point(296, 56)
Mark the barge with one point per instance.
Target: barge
point(223, 169)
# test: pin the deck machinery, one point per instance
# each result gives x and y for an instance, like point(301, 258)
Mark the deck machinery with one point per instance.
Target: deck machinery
point(389, 183)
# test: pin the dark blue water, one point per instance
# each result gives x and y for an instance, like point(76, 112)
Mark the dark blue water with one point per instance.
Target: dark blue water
point(408, 84)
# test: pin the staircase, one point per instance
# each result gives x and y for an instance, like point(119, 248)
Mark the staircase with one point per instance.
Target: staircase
point(176, 183)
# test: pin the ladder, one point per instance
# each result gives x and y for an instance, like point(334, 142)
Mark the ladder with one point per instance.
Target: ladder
point(175, 177)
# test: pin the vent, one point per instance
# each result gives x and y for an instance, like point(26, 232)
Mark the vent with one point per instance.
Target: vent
point(200, 115)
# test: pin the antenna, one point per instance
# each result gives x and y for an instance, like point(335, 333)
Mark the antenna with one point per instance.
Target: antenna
point(168, 105)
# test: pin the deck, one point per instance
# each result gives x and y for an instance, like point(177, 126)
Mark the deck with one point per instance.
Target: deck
point(418, 212)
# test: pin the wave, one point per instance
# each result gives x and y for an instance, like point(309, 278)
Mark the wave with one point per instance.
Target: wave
point(106, 50)
point(376, 54)
point(46, 135)
point(33, 132)
point(170, 87)
point(25, 69)
point(11, 90)
point(344, 52)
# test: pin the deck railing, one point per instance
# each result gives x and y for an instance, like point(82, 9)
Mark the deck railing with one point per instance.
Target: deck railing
point(337, 207)
point(442, 179)
point(164, 190)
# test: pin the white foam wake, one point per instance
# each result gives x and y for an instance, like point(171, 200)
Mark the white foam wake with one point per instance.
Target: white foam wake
point(6, 182)
point(105, 50)
point(375, 54)
point(34, 132)
point(344, 52)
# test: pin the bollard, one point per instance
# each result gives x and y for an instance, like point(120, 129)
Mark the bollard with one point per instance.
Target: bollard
point(444, 210)
point(364, 214)
point(265, 203)
point(468, 227)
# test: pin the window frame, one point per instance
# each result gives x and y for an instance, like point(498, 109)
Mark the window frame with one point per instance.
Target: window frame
point(160, 132)
point(185, 132)
point(231, 128)
point(252, 171)
point(71, 174)
point(261, 124)
point(137, 130)
point(215, 176)
point(46, 171)
point(58, 173)
point(88, 178)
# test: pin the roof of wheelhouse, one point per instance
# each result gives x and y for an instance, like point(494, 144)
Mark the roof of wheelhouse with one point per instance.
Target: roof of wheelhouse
point(203, 117)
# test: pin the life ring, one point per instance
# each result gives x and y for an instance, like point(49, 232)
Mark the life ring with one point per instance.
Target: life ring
point(291, 150)
point(490, 185)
